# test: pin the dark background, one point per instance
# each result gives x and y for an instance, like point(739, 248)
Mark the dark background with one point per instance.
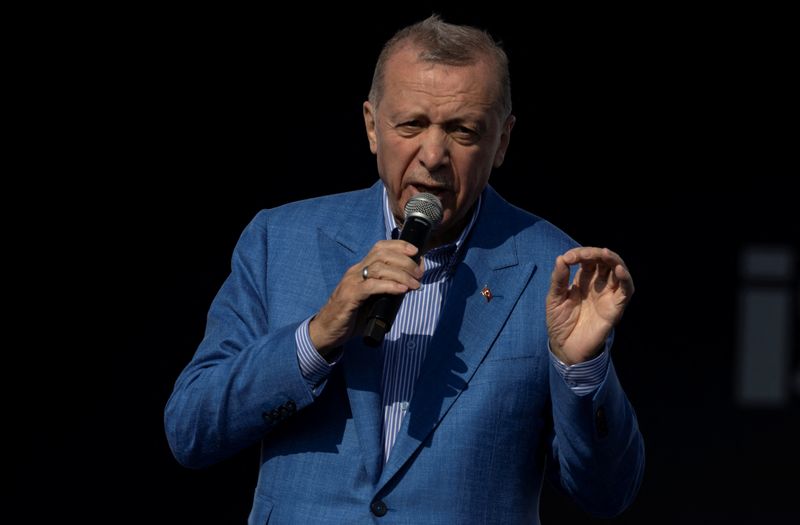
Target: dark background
point(663, 135)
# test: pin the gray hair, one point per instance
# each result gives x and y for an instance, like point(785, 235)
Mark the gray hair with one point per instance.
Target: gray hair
point(448, 44)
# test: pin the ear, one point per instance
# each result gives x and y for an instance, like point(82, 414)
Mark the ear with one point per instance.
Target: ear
point(369, 122)
point(505, 138)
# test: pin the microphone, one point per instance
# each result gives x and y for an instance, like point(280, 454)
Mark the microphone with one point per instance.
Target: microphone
point(423, 213)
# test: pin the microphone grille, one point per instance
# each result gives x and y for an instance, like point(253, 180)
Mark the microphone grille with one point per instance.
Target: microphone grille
point(426, 206)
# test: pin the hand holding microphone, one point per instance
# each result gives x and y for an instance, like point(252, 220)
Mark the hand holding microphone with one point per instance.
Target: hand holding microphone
point(392, 269)
point(423, 212)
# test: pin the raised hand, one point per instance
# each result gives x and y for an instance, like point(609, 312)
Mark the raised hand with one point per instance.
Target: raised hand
point(581, 315)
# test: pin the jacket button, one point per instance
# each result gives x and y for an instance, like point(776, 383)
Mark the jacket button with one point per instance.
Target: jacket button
point(378, 508)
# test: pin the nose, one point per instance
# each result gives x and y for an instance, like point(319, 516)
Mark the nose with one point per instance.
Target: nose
point(433, 149)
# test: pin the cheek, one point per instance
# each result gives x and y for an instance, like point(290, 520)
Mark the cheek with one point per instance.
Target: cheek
point(394, 158)
point(473, 175)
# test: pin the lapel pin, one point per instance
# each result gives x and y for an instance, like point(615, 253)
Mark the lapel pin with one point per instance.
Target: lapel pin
point(486, 293)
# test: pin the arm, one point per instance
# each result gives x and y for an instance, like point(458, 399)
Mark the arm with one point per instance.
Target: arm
point(244, 377)
point(598, 451)
point(247, 375)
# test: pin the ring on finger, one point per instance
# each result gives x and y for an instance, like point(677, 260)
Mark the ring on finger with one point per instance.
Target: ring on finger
point(365, 273)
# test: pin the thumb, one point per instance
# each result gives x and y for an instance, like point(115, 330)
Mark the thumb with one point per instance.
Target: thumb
point(559, 279)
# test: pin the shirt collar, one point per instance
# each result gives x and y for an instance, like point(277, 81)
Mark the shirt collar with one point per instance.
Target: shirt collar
point(392, 231)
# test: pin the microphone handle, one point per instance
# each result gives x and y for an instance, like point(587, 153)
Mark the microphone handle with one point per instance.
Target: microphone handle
point(383, 309)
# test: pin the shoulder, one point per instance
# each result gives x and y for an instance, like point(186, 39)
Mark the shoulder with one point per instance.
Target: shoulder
point(296, 223)
point(534, 235)
point(314, 212)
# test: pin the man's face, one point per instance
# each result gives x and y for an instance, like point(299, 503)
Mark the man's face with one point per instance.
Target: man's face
point(437, 129)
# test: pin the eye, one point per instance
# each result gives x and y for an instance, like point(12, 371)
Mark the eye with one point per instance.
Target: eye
point(410, 127)
point(464, 134)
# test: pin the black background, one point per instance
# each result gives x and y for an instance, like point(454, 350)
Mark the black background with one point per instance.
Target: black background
point(662, 135)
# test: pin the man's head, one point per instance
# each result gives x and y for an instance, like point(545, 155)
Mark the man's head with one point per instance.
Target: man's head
point(439, 116)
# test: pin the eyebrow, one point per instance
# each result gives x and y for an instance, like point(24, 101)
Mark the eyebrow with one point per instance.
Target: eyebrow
point(479, 123)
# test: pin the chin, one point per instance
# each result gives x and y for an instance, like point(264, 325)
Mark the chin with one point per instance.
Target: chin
point(447, 220)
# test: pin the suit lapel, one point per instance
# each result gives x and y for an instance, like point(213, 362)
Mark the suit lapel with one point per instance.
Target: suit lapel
point(341, 248)
point(362, 369)
point(467, 327)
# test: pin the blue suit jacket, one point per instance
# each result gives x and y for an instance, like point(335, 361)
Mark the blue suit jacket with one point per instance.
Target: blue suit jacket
point(489, 411)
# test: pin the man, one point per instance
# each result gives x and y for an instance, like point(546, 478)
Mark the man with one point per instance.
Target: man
point(495, 368)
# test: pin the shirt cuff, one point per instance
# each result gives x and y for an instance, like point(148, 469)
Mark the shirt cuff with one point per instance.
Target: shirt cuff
point(582, 378)
point(314, 367)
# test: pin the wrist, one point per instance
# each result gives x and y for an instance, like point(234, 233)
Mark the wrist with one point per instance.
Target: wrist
point(571, 358)
point(324, 346)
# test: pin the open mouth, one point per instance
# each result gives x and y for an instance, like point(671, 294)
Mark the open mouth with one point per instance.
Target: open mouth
point(438, 191)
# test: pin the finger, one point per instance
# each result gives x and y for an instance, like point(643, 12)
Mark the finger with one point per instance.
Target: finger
point(625, 280)
point(590, 253)
point(358, 289)
point(409, 248)
point(602, 276)
point(612, 260)
point(379, 286)
point(391, 261)
point(395, 259)
point(571, 256)
point(585, 275)
point(392, 252)
point(383, 271)
point(559, 279)
point(394, 245)
point(605, 265)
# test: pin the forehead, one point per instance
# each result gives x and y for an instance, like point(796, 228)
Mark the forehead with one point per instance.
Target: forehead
point(407, 77)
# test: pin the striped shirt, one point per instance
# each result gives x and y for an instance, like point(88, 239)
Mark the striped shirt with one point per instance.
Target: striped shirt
point(406, 344)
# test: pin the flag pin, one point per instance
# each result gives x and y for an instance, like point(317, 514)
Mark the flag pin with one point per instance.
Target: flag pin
point(486, 293)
